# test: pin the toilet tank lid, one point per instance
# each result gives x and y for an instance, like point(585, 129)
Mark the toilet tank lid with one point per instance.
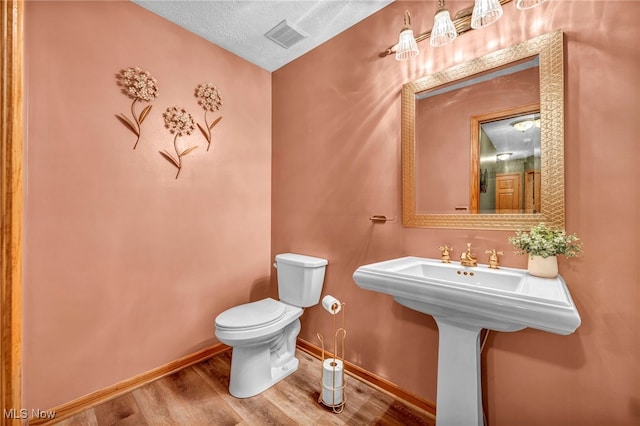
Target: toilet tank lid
point(301, 260)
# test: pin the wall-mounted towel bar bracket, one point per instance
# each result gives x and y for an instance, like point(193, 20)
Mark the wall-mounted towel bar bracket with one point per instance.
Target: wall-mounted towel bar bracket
point(378, 218)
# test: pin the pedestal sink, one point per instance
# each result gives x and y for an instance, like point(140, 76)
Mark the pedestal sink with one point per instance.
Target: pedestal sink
point(463, 301)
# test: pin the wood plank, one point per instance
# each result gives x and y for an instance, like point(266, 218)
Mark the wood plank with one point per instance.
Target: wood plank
point(152, 400)
point(123, 411)
point(201, 401)
point(84, 418)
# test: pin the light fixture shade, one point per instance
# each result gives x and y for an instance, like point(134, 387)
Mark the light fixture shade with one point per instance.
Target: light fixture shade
point(443, 32)
point(528, 4)
point(504, 156)
point(485, 13)
point(407, 46)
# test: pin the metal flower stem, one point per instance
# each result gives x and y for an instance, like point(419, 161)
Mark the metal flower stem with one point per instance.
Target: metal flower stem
point(175, 146)
point(135, 118)
point(206, 124)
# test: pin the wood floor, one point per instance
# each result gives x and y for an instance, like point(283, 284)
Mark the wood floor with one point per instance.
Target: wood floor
point(199, 395)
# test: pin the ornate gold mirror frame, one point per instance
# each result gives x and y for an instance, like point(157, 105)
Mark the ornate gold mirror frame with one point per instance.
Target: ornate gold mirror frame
point(11, 15)
point(549, 48)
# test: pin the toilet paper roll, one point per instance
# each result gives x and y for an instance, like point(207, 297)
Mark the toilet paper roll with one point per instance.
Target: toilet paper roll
point(332, 382)
point(331, 304)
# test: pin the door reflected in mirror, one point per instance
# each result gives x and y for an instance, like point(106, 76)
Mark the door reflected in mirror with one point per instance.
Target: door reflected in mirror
point(506, 165)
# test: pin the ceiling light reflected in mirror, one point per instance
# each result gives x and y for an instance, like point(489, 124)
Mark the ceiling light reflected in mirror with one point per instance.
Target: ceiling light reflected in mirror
point(524, 125)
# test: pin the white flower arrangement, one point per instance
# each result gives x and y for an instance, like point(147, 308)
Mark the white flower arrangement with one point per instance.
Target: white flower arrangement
point(544, 241)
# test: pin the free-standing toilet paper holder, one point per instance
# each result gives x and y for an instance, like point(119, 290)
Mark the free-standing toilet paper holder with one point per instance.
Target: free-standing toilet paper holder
point(333, 380)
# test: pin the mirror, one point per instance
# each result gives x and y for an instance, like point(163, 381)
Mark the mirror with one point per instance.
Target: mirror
point(455, 123)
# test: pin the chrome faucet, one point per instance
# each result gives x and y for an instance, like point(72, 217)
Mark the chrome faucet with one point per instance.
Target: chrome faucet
point(468, 259)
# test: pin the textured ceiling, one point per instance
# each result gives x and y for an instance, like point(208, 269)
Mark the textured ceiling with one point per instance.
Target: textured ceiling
point(239, 25)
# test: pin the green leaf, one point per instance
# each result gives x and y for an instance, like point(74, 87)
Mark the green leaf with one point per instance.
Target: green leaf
point(204, 132)
point(144, 113)
point(169, 158)
point(188, 150)
point(124, 120)
point(215, 122)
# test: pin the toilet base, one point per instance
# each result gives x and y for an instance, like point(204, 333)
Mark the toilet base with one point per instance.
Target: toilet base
point(255, 368)
point(256, 377)
point(280, 373)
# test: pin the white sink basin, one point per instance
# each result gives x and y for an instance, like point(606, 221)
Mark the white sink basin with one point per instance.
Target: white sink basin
point(488, 279)
point(463, 301)
point(505, 299)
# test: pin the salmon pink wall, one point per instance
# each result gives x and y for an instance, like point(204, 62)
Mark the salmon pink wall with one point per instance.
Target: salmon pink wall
point(125, 266)
point(336, 162)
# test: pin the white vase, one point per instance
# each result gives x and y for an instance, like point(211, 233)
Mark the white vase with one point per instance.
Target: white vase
point(545, 267)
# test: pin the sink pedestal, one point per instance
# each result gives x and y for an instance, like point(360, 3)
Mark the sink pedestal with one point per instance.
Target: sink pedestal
point(459, 394)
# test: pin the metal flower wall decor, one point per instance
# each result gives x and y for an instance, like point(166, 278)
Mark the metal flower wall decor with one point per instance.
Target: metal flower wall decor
point(141, 87)
point(180, 123)
point(209, 99)
point(138, 85)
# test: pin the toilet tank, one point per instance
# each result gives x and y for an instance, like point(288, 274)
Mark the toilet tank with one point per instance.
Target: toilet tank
point(300, 278)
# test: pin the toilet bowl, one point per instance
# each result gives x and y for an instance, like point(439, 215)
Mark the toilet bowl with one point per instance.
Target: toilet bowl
point(263, 333)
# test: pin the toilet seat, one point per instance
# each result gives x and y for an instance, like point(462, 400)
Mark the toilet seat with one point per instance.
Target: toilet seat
point(263, 319)
point(251, 315)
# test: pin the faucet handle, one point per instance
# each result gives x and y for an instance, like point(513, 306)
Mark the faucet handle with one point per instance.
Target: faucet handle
point(493, 258)
point(446, 253)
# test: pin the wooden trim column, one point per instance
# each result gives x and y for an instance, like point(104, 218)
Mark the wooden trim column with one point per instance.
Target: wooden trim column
point(11, 18)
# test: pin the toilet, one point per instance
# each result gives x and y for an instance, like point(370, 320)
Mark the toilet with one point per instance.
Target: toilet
point(263, 333)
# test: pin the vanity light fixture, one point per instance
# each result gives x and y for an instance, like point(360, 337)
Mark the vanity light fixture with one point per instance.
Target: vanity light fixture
point(407, 45)
point(482, 14)
point(503, 156)
point(444, 32)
